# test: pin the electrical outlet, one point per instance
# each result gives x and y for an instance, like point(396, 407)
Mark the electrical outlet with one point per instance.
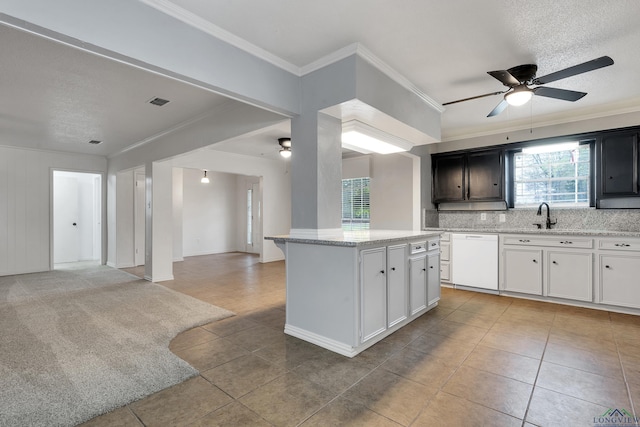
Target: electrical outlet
point(483, 216)
point(503, 218)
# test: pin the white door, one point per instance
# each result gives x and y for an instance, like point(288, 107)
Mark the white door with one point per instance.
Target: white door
point(139, 224)
point(66, 233)
point(253, 218)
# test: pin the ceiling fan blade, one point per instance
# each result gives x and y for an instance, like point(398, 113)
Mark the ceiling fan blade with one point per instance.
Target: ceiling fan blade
point(594, 64)
point(566, 95)
point(473, 97)
point(499, 108)
point(505, 77)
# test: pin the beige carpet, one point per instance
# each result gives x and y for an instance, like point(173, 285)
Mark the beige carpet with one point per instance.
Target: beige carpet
point(77, 343)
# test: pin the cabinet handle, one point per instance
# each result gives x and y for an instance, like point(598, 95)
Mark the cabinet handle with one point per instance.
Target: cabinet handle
point(424, 269)
point(535, 260)
point(554, 262)
point(566, 242)
point(431, 266)
point(606, 266)
point(524, 240)
point(610, 177)
point(433, 244)
point(458, 186)
point(418, 247)
point(622, 245)
point(393, 269)
point(381, 271)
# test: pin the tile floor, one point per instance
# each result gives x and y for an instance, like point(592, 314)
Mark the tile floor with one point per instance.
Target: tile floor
point(476, 359)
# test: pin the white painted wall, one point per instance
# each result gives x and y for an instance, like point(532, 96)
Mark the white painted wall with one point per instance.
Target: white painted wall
point(210, 215)
point(25, 205)
point(276, 188)
point(394, 191)
point(123, 254)
point(393, 205)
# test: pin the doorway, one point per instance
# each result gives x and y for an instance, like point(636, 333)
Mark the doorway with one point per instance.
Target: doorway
point(77, 218)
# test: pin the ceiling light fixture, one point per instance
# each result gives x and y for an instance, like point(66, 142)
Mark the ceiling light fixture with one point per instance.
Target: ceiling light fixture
point(519, 96)
point(204, 179)
point(365, 139)
point(285, 143)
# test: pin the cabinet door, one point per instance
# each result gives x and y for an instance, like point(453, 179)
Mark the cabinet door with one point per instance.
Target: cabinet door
point(373, 291)
point(620, 165)
point(433, 278)
point(522, 270)
point(486, 175)
point(570, 275)
point(619, 284)
point(397, 290)
point(448, 178)
point(417, 283)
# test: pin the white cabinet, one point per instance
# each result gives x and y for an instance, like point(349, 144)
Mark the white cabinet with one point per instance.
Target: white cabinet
point(418, 283)
point(522, 269)
point(619, 272)
point(570, 275)
point(373, 290)
point(433, 277)
point(550, 266)
point(445, 258)
point(397, 291)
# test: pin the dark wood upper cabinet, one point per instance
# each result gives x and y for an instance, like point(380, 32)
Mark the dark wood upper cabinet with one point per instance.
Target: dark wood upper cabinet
point(486, 175)
point(619, 157)
point(448, 178)
point(472, 176)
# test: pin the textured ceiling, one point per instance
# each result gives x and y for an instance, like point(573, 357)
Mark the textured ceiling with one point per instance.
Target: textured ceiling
point(58, 97)
point(446, 47)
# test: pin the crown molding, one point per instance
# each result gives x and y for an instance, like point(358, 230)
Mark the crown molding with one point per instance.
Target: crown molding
point(555, 121)
point(367, 55)
point(201, 24)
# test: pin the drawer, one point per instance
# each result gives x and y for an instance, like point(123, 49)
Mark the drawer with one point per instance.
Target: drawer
point(445, 251)
point(445, 272)
point(555, 241)
point(417, 247)
point(620, 244)
point(433, 244)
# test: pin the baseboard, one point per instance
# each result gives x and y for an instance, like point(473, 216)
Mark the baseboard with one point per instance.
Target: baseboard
point(324, 342)
point(158, 279)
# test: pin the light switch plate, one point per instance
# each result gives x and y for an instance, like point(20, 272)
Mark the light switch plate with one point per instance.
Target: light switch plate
point(483, 216)
point(503, 218)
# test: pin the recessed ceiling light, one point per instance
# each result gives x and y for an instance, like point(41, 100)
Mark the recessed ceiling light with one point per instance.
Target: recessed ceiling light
point(158, 101)
point(95, 142)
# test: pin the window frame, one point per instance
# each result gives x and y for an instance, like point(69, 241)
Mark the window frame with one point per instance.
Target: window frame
point(510, 170)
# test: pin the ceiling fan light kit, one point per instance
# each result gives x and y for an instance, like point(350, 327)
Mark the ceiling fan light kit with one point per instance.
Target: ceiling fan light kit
point(285, 143)
point(519, 78)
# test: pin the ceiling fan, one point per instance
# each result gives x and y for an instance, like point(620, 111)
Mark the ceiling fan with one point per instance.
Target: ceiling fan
point(519, 78)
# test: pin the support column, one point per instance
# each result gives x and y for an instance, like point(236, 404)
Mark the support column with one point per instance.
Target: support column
point(316, 174)
point(158, 222)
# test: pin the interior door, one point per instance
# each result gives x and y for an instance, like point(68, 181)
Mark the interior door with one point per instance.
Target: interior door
point(139, 225)
point(66, 234)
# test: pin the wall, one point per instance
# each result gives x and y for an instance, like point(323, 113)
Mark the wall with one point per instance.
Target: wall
point(25, 209)
point(276, 188)
point(209, 213)
point(568, 219)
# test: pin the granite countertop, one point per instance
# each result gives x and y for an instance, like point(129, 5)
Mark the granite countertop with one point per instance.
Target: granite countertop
point(552, 232)
point(360, 238)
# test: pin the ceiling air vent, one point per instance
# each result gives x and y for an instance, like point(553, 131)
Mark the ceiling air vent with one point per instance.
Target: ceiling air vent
point(95, 142)
point(158, 101)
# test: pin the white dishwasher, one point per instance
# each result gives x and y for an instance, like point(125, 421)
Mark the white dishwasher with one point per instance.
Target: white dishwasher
point(474, 260)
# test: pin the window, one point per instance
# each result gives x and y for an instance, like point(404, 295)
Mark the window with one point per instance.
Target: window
point(556, 174)
point(355, 204)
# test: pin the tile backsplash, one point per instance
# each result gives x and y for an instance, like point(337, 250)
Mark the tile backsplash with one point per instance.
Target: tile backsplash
point(568, 219)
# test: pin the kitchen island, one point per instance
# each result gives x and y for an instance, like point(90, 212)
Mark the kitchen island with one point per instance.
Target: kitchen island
point(347, 293)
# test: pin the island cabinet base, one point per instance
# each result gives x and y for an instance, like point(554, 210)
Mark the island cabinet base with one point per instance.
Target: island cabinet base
point(345, 298)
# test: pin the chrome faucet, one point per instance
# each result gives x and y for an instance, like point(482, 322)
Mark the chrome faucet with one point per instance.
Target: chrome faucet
point(549, 223)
